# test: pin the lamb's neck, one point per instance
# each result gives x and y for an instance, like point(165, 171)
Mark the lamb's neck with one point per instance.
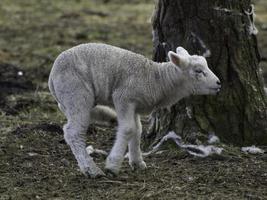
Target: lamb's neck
point(171, 84)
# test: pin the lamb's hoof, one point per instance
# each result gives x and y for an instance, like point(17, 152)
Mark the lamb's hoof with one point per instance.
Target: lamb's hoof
point(138, 165)
point(96, 173)
point(111, 173)
point(112, 166)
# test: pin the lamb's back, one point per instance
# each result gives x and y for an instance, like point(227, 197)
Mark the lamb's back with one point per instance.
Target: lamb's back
point(108, 68)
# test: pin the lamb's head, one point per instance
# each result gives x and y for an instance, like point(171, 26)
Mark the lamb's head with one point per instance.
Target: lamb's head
point(199, 78)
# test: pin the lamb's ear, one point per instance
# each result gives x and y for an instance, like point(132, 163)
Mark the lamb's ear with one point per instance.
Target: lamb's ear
point(179, 60)
point(181, 50)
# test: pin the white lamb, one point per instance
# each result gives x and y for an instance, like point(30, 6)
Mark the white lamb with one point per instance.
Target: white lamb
point(98, 74)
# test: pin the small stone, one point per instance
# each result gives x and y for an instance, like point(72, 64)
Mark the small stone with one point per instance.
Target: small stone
point(20, 73)
point(65, 162)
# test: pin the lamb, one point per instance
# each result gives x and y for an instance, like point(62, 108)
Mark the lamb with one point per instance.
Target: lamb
point(89, 75)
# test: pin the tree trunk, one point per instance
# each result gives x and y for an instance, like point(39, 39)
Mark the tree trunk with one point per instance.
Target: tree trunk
point(224, 32)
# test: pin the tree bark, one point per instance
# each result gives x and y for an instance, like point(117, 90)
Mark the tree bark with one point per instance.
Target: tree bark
point(222, 31)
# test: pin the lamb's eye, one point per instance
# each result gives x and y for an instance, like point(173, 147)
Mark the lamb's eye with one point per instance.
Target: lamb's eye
point(198, 71)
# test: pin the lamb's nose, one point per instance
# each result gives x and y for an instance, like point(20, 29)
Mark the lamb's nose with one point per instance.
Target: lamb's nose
point(218, 83)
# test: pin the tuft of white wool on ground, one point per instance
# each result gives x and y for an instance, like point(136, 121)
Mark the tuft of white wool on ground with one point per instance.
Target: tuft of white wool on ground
point(202, 151)
point(213, 139)
point(196, 150)
point(252, 150)
point(90, 150)
point(171, 135)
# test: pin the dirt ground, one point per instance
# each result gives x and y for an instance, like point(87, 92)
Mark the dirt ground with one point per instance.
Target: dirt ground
point(36, 163)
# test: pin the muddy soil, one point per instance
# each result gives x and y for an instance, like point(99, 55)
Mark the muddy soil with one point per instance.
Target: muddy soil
point(36, 163)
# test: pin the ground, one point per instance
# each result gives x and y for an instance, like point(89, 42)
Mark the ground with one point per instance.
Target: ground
point(36, 163)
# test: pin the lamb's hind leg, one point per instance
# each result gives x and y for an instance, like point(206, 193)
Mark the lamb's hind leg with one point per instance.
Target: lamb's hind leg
point(77, 110)
point(74, 134)
point(135, 153)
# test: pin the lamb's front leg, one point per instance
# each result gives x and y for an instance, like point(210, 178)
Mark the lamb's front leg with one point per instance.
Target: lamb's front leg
point(135, 154)
point(127, 127)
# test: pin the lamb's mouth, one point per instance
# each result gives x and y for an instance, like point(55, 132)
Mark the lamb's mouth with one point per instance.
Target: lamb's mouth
point(217, 89)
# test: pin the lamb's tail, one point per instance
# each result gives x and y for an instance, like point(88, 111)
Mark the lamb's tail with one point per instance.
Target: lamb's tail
point(103, 114)
point(53, 92)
